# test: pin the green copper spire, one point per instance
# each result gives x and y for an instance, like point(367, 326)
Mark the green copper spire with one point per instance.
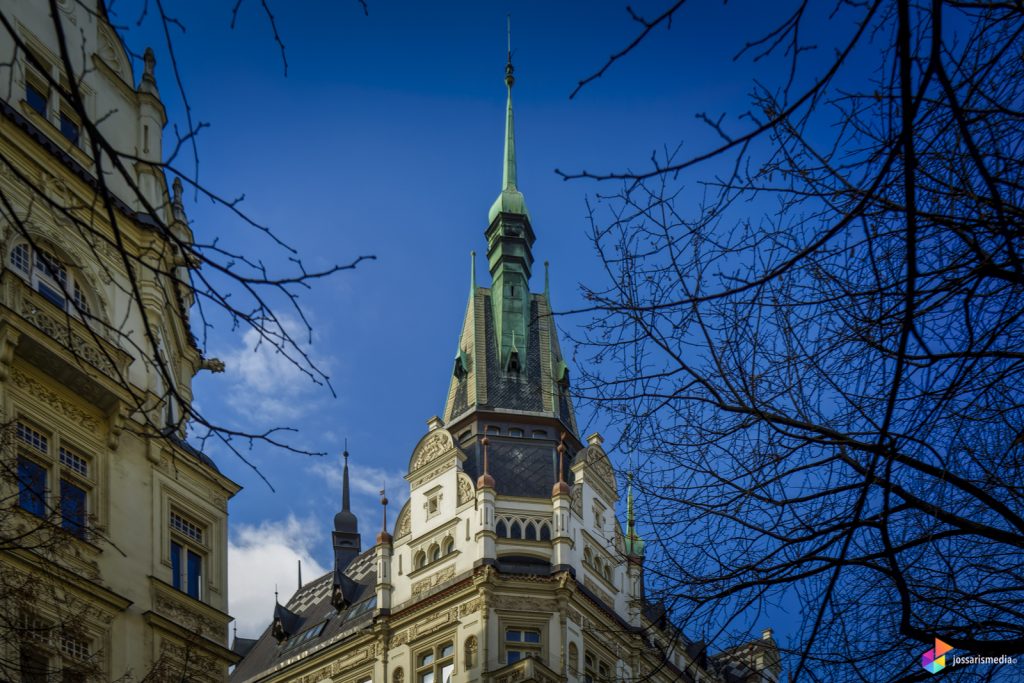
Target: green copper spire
point(634, 544)
point(509, 250)
point(511, 199)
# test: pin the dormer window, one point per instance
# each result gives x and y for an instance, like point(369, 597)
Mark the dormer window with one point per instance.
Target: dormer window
point(513, 362)
point(48, 275)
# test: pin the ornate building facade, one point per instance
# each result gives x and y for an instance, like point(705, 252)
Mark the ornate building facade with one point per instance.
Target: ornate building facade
point(508, 562)
point(113, 531)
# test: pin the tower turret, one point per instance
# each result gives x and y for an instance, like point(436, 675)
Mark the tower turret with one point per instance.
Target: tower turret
point(510, 241)
point(634, 547)
point(345, 537)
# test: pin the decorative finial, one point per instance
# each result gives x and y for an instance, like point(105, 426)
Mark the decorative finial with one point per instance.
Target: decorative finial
point(485, 480)
point(344, 480)
point(472, 272)
point(275, 595)
point(509, 78)
point(547, 283)
point(561, 488)
point(384, 536)
point(177, 205)
point(149, 62)
point(634, 544)
point(300, 574)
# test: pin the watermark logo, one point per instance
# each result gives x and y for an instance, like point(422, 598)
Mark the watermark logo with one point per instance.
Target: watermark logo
point(934, 661)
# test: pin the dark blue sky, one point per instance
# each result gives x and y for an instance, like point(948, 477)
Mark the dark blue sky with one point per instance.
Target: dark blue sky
point(385, 138)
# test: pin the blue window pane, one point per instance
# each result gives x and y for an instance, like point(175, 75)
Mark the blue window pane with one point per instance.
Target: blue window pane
point(36, 99)
point(31, 487)
point(175, 565)
point(514, 656)
point(195, 574)
point(51, 294)
point(72, 508)
point(68, 128)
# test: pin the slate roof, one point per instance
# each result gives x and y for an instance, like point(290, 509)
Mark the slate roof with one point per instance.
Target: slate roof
point(313, 621)
point(520, 467)
point(487, 386)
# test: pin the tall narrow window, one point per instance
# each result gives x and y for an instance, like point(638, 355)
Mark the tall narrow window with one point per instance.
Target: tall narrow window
point(69, 128)
point(37, 89)
point(74, 492)
point(73, 508)
point(187, 555)
point(31, 486)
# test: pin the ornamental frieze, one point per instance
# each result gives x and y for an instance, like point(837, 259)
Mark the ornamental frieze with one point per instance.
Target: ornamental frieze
point(465, 489)
point(432, 581)
point(596, 465)
point(431, 447)
point(54, 401)
point(524, 604)
point(60, 331)
point(592, 586)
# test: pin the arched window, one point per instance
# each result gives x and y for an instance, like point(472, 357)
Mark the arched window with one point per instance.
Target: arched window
point(449, 546)
point(517, 530)
point(531, 532)
point(515, 431)
point(420, 560)
point(435, 553)
point(539, 434)
point(545, 532)
point(48, 275)
point(501, 529)
point(588, 557)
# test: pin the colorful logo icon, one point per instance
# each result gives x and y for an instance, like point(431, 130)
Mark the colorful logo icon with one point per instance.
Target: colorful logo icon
point(934, 661)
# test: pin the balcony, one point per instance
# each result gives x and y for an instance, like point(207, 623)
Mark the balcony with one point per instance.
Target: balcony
point(44, 335)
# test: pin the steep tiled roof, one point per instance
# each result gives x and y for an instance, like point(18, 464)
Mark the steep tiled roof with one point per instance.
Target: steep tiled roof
point(313, 621)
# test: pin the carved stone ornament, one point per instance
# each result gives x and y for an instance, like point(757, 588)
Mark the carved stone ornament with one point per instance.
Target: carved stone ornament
point(404, 524)
point(465, 489)
point(194, 621)
point(576, 504)
point(61, 332)
point(597, 466)
point(429, 474)
point(599, 592)
point(58, 404)
point(432, 581)
point(525, 604)
point(430, 448)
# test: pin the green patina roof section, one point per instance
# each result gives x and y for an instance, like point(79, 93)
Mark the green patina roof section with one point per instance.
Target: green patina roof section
point(634, 544)
point(510, 200)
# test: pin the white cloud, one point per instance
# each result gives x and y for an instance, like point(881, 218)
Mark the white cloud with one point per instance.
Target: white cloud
point(363, 479)
point(269, 386)
point(262, 556)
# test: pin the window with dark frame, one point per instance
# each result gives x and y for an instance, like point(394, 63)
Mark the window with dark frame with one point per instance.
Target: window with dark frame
point(521, 643)
point(186, 555)
point(69, 128)
point(436, 665)
point(31, 486)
